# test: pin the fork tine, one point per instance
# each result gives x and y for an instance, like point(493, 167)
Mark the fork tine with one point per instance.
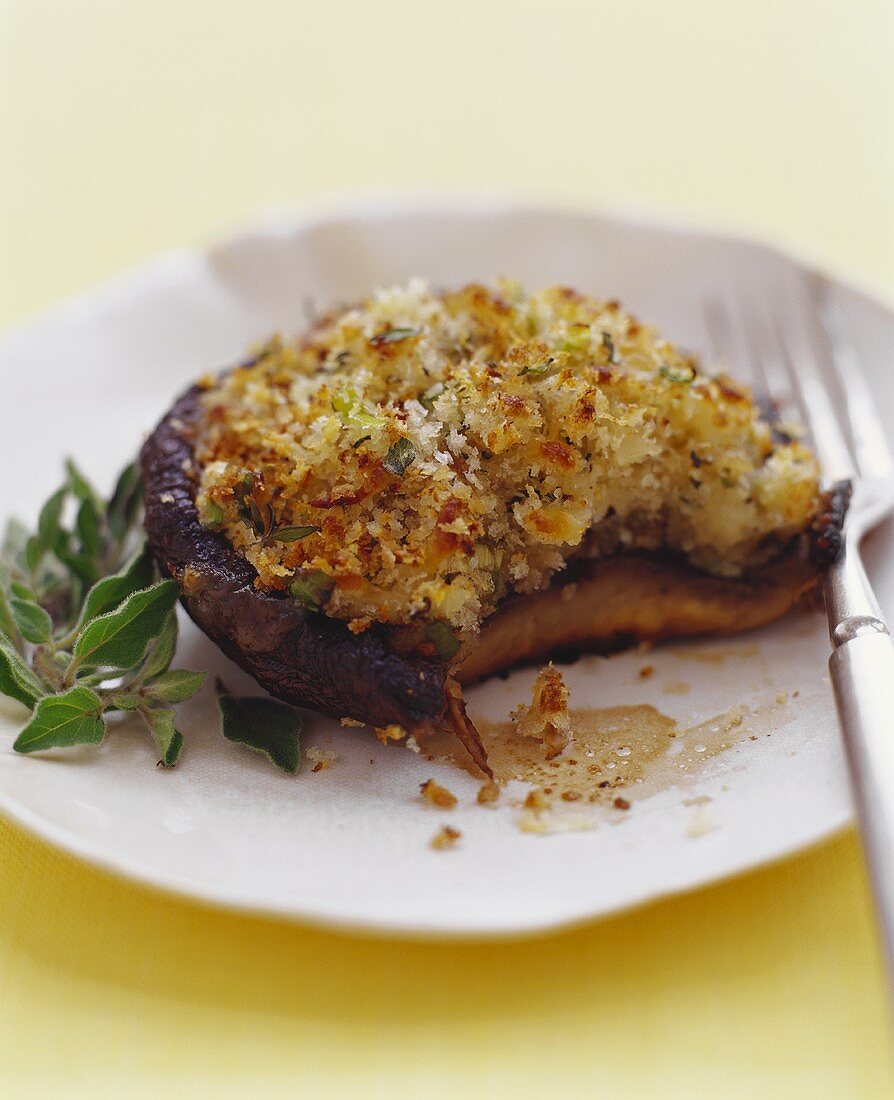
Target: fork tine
point(735, 348)
point(871, 450)
point(807, 381)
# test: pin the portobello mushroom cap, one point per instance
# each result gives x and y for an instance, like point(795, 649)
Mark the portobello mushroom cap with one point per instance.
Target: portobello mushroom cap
point(312, 660)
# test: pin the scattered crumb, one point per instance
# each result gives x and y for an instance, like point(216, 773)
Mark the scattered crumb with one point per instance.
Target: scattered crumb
point(166, 498)
point(781, 697)
point(621, 803)
point(350, 723)
point(488, 792)
point(646, 671)
point(700, 824)
point(571, 796)
point(390, 733)
point(412, 744)
point(675, 687)
point(536, 800)
point(549, 824)
point(437, 795)
point(322, 758)
point(699, 800)
point(445, 837)
point(547, 718)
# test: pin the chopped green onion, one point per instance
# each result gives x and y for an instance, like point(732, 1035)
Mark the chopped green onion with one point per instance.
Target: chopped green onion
point(348, 406)
point(312, 588)
point(538, 368)
point(576, 341)
point(443, 639)
point(211, 514)
point(676, 374)
point(431, 394)
point(401, 455)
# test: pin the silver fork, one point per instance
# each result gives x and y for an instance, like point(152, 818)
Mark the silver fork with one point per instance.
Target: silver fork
point(804, 362)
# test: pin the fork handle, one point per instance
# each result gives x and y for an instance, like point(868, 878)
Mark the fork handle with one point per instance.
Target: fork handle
point(862, 671)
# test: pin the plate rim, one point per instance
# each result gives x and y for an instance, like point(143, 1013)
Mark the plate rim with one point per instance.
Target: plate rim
point(380, 206)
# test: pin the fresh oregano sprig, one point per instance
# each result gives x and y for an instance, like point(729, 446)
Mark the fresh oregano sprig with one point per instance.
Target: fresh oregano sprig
point(87, 628)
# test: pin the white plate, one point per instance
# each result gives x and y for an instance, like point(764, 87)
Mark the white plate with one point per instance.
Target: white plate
point(348, 846)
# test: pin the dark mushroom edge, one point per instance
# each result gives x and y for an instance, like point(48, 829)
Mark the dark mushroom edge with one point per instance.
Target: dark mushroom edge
point(311, 660)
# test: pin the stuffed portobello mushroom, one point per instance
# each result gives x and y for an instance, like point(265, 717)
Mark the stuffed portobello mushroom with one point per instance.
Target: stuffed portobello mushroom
point(430, 488)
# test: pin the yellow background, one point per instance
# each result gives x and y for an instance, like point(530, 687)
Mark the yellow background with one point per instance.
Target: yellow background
point(126, 128)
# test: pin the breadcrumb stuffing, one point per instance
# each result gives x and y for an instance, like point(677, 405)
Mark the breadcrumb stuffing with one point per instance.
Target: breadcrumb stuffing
point(547, 718)
point(417, 458)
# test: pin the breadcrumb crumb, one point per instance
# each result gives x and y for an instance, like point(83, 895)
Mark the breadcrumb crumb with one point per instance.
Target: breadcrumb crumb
point(390, 733)
point(547, 718)
point(446, 837)
point(488, 793)
point(536, 800)
point(437, 795)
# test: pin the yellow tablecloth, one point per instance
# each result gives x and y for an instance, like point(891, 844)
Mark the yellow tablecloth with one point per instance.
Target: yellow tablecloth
point(128, 128)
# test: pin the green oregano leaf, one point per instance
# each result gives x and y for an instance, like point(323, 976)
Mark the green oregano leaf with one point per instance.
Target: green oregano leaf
point(7, 622)
point(108, 593)
point(88, 528)
point(394, 336)
point(125, 501)
point(175, 686)
point(401, 455)
point(265, 725)
point(33, 553)
point(16, 678)
point(81, 486)
point(72, 718)
point(15, 539)
point(48, 523)
point(123, 700)
point(119, 638)
point(162, 652)
point(33, 622)
point(167, 737)
point(293, 534)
